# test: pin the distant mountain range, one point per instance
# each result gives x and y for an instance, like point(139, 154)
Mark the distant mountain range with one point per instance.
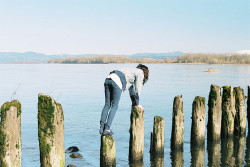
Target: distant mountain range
point(33, 57)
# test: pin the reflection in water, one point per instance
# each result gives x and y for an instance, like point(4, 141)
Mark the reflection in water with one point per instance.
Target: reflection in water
point(197, 155)
point(232, 151)
point(239, 147)
point(247, 153)
point(177, 157)
point(136, 164)
point(157, 161)
point(227, 152)
point(213, 150)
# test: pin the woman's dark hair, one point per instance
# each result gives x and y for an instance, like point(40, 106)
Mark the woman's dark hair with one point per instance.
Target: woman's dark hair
point(145, 71)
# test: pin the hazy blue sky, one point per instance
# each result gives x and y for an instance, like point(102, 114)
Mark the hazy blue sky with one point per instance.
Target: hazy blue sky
point(124, 26)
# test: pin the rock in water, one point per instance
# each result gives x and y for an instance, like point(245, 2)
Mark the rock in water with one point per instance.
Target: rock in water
point(72, 149)
point(70, 165)
point(76, 155)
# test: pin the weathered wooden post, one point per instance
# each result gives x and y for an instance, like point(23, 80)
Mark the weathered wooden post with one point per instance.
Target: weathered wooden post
point(214, 114)
point(177, 123)
point(228, 112)
point(108, 151)
point(240, 116)
point(50, 132)
point(157, 137)
point(10, 134)
point(198, 121)
point(198, 132)
point(177, 133)
point(248, 106)
point(136, 141)
point(213, 150)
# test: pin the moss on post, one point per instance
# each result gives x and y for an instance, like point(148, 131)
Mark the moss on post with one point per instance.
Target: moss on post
point(198, 121)
point(107, 151)
point(177, 123)
point(228, 111)
point(157, 137)
point(50, 132)
point(10, 134)
point(136, 141)
point(214, 114)
point(240, 116)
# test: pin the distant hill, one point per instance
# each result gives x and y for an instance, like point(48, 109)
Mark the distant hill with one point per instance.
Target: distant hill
point(33, 57)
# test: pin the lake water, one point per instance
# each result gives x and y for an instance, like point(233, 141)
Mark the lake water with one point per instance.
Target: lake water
point(79, 88)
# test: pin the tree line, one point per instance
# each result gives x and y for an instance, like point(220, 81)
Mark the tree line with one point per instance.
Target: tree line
point(184, 58)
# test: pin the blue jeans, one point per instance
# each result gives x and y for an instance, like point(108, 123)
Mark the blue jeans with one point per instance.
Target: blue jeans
point(112, 98)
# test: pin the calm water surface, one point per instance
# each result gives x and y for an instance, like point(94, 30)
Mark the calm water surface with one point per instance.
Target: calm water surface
point(79, 88)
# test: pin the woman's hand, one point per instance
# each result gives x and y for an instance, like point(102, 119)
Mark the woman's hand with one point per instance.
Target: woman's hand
point(140, 106)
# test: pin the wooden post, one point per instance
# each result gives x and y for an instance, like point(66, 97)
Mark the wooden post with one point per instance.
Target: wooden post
point(10, 134)
point(136, 141)
point(214, 114)
point(177, 123)
point(157, 137)
point(198, 121)
point(228, 112)
point(240, 116)
point(50, 132)
point(108, 151)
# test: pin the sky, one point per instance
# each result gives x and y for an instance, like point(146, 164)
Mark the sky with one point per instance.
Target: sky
point(124, 26)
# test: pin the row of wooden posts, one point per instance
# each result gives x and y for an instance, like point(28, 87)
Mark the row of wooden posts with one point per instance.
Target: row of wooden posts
point(226, 118)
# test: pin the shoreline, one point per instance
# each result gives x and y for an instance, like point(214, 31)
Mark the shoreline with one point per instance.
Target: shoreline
point(124, 63)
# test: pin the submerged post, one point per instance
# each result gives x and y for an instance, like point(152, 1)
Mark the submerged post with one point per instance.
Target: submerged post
point(198, 121)
point(136, 141)
point(108, 151)
point(177, 123)
point(240, 116)
point(157, 137)
point(248, 106)
point(214, 114)
point(228, 112)
point(10, 134)
point(50, 132)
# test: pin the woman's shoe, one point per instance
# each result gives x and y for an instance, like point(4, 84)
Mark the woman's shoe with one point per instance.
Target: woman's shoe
point(101, 130)
point(107, 132)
